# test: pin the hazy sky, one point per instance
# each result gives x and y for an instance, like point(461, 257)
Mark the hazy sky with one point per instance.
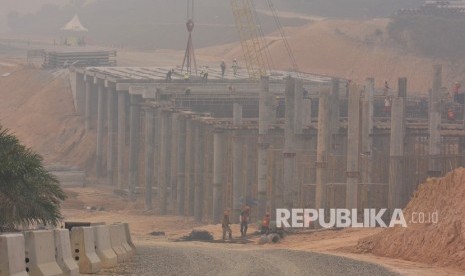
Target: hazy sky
point(22, 6)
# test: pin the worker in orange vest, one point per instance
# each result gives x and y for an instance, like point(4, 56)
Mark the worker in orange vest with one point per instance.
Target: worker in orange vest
point(225, 225)
point(266, 224)
point(450, 114)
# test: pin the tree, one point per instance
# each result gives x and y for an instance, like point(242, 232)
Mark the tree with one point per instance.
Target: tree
point(29, 194)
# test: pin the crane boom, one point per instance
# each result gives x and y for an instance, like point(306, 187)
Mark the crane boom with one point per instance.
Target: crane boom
point(244, 16)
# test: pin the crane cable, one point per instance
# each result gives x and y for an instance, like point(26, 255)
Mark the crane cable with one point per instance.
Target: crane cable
point(264, 45)
point(283, 35)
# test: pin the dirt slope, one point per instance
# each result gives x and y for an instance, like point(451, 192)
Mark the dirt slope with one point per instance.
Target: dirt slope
point(37, 106)
point(440, 244)
point(353, 49)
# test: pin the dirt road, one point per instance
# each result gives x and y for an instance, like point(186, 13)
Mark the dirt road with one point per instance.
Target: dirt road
point(227, 259)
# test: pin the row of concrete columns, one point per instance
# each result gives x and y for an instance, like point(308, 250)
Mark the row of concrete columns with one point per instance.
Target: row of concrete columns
point(176, 145)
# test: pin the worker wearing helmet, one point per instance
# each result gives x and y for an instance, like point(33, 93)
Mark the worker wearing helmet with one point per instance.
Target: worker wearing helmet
point(266, 224)
point(225, 225)
point(244, 219)
point(235, 66)
point(223, 68)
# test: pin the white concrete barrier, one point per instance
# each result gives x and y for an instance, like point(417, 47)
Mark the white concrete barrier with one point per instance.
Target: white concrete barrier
point(40, 253)
point(63, 253)
point(117, 238)
point(12, 255)
point(128, 236)
point(103, 248)
point(83, 249)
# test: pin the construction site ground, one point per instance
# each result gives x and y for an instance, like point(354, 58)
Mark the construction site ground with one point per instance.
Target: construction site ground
point(294, 253)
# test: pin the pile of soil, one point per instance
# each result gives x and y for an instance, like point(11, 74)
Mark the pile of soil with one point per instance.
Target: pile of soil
point(441, 243)
point(37, 106)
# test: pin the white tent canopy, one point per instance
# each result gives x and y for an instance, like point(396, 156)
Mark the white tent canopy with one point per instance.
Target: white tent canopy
point(74, 25)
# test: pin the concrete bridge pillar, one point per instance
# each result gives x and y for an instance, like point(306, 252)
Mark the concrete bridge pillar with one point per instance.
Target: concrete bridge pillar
point(219, 145)
point(435, 122)
point(265, 109)
point(88, 104)
point(121, 138)
point(100, 128)
point(190, 163)
point(289, 186)
point(181, 186)
point(323, 147)
point(397, 197)
point(112, 134)
point(174, 129)
point(199, 171)
point(134, 141)
point(149, 155)
point(353, 149)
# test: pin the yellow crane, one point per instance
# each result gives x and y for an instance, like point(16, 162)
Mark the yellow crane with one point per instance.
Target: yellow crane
point(251, 40)
point(256, 53)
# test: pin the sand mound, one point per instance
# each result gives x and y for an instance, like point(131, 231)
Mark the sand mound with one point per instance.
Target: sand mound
point(352, 49)
point(440, 244)
point(37, 106)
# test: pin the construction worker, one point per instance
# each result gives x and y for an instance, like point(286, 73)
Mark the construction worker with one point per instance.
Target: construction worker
point(266, 224)
point(387, 105)
point(168, 75)
point(235, 66)
point(450, 114)
point(244, 219)
point(223, 69)
point(186, 76)
point(204, 74)
point(386, 88)
point(225, 225)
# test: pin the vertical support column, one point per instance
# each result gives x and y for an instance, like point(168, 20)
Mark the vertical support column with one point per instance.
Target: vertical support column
point(199, 171)
point(237, 165)
point(174, 129)
point(219, 142)
point(237, 114)
point(434, 122)
point(307, 114)
point(265, 109)
point(100, 128)
point(112, 129)
point(396, 185)
point(149, 155)
point(335, 114)
point(289, 185)
point(181, 196)
point(299, 112)
point(323, 146)
point(163, 168)
point(190, 160)
point(134, 132)
point(367, 139)
point(88, 104)
point(121, 136)
point(353, 151)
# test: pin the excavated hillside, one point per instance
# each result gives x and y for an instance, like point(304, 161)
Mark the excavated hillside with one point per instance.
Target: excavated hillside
point(441, 243)
point(37, 106)
point(352, 49)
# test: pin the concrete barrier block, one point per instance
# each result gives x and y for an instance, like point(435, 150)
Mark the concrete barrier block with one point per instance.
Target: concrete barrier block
point(12, 255)
point(64, 257)
point(83, 250)
point(103, 248)
point(128, 236)
point(40, 253)
point(116, 239)
point(121, 228)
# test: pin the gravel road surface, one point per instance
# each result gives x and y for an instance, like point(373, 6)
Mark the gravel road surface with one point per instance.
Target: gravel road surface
point(220, 259)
